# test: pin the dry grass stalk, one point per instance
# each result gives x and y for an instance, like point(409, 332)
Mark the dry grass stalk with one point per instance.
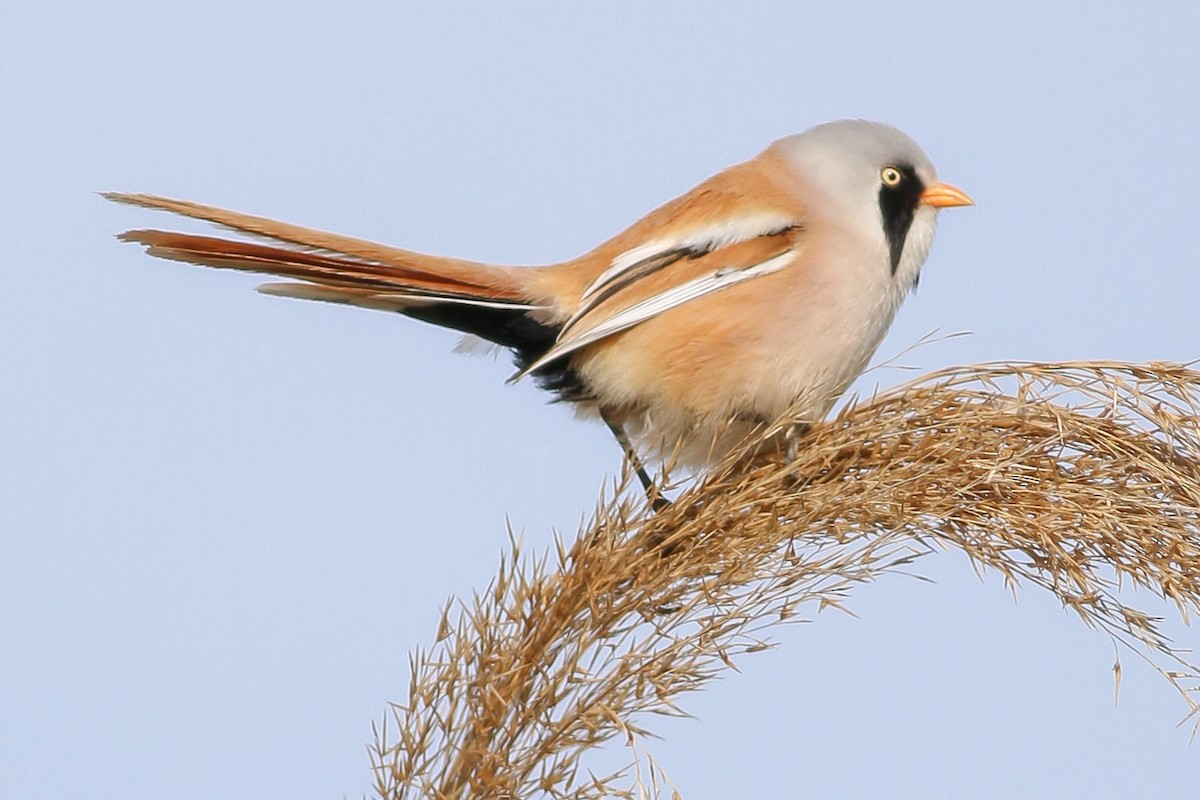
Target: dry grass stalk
point(1083, 479)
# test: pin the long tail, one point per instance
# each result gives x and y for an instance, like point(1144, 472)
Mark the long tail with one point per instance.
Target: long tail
point(482, 299)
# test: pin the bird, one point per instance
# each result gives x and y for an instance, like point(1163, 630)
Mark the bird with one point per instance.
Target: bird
point(764, 289)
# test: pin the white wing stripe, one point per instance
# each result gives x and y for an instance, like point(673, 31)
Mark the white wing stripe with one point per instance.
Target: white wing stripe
point(707, 238)
point(657, 304)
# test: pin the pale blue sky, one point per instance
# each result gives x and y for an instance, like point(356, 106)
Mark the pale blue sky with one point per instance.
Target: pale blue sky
point(225, 519)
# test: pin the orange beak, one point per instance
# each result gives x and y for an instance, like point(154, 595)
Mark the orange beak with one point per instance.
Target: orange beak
point(943, 195)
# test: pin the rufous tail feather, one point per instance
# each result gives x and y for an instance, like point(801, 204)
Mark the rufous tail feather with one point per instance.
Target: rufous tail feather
point(337, 268)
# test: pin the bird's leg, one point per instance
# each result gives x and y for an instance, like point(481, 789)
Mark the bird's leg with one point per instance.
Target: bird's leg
point(653, 493)
point(792, 438)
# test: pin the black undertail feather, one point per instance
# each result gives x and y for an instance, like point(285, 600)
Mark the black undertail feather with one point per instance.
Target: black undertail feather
point(898, 204)
point(515, 329)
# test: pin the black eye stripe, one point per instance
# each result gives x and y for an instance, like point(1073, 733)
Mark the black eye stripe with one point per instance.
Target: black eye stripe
point(897, 205)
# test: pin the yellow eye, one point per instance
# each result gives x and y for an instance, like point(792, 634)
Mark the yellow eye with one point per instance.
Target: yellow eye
point(891, 176)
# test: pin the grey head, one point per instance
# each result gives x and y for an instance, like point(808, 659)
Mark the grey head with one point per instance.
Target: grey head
point(875, 182)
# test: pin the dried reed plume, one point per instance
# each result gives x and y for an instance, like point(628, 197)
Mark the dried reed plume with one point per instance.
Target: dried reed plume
point(1081, 478)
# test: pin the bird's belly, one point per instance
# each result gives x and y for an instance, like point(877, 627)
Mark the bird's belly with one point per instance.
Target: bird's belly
point(735, 357)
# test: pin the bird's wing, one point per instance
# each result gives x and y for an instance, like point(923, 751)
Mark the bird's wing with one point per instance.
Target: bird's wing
point(635, 291)
point(736, 226)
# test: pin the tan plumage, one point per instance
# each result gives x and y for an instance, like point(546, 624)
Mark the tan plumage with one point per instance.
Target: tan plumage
point(771, 282)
